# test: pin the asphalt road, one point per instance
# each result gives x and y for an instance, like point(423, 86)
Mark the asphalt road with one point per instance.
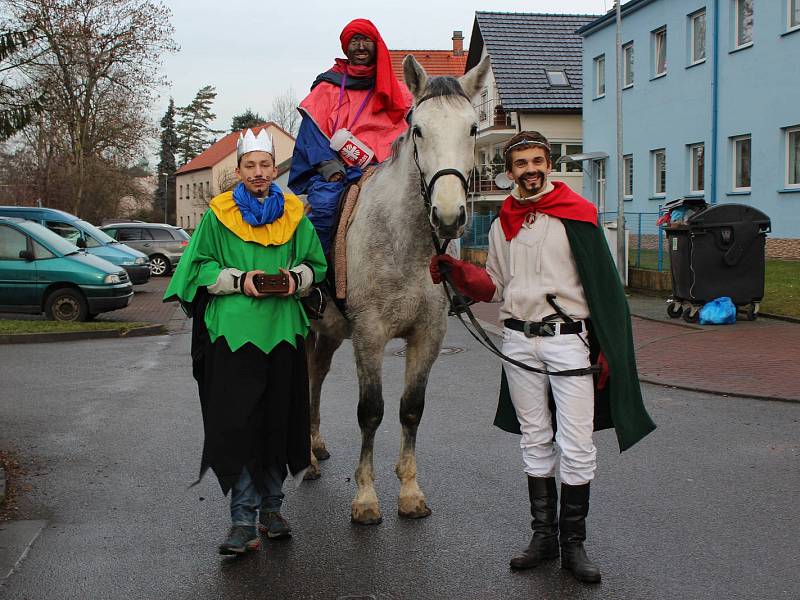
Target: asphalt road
point(110, 432)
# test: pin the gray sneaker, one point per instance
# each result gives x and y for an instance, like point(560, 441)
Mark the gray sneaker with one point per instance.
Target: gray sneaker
point(274, 525)
point(241, 538)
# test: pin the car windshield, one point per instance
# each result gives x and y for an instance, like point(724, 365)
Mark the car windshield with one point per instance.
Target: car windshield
point(51, 239)
point(183, 234)
point(100, 236)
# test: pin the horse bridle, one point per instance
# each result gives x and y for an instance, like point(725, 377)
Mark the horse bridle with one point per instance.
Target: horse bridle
point(460, 304)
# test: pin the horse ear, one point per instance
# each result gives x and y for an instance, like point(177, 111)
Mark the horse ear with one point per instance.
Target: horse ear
point(472, 82)
point(415, 76)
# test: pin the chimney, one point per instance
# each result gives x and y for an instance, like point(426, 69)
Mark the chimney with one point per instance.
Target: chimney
point(458, 43)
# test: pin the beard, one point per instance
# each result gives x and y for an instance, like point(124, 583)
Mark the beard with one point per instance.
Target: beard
point(531, 183)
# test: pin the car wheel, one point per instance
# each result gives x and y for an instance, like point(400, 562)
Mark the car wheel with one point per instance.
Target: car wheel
point(159, 265)
point(66, 304)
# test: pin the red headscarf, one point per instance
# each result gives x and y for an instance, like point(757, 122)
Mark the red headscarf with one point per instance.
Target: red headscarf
point(562, 202)
point(388, 92)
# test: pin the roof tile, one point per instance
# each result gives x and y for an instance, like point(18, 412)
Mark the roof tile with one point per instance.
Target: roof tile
point(522, 46)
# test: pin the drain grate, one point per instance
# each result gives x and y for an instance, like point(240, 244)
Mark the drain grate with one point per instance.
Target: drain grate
point(445, 351)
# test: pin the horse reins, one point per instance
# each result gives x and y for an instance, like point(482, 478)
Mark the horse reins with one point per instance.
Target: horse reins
point(458, 303)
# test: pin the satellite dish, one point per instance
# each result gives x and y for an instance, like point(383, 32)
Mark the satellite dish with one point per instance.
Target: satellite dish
point(502, 181)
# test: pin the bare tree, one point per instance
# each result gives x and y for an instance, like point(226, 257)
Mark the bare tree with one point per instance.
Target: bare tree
point(97, 64)
point(284, 112)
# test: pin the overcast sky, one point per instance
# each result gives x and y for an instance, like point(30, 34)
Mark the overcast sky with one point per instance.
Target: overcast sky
point(253, 51)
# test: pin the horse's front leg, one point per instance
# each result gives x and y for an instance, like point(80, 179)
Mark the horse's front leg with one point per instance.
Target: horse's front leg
point(369, 359)
point(320, 353)
point(421, 351)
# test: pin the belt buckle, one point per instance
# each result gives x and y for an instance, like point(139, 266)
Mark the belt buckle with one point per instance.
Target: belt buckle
point(534, 329)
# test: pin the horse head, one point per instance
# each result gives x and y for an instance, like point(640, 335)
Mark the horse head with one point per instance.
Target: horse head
point(443, 129)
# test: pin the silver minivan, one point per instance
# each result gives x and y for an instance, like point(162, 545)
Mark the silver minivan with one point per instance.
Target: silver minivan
point(163, 243)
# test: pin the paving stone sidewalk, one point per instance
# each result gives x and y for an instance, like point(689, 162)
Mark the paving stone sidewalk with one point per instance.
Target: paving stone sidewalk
point(751, 358)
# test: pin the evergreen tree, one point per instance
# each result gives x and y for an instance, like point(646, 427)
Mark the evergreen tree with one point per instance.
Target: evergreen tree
point(166, 166)
point(247, 119)
point(17, 107)
point(194, 126)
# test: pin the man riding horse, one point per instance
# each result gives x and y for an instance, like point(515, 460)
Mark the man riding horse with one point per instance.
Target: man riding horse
point(352, 116)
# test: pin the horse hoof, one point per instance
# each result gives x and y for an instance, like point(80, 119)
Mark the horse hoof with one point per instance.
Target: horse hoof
point(371, 521)
point(418, 513)
point(365, 514)
point(322, 453)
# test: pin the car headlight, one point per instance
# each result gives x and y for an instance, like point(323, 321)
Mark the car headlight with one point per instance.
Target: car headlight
point(142, 260)
point(111, 279)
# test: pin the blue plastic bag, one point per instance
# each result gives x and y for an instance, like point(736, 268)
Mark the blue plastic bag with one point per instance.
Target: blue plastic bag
point(720, 311)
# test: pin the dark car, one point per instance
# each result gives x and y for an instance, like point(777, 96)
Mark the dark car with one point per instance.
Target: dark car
point(163, 243)
point(42, 272)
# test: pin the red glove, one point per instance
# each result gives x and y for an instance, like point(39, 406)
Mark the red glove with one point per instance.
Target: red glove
point(602, 376)
point(466, 277)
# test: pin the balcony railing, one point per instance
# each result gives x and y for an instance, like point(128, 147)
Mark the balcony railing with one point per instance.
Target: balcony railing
point(492, 114)
point(483, 179)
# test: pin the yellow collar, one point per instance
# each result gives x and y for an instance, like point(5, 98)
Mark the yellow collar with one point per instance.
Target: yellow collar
point(276, 233)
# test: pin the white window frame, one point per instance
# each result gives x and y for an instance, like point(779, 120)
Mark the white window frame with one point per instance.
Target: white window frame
point(735, 152)
point(627, 73)
point(737, 24)
point(627, 176)
point(694, 188)
point(656, 173)
point(659, 40)
point(792, 15)
point(789, 131)
point(599, 175)
point(600, 76)
point(693, 18)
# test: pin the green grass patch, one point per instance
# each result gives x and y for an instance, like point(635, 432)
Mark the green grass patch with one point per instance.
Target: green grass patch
point(782, 288)
point(11, 326)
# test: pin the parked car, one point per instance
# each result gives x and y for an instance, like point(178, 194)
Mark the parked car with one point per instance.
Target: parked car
point(42, 272)
point(163, 244)
point(85, 235)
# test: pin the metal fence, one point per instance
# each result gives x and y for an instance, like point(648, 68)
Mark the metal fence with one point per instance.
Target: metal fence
point(647, 244)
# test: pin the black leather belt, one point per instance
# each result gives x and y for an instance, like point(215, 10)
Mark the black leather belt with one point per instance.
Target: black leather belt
point(544, 328)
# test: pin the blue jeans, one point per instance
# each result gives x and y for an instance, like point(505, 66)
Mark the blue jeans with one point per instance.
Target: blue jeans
point(246, 499)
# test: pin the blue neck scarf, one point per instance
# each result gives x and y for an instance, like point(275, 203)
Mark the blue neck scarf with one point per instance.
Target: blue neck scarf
point(256, 212)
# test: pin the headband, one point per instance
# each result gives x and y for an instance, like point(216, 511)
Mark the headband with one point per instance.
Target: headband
point(527, 143)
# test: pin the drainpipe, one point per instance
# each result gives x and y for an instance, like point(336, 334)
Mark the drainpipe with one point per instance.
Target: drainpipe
point(714, 102)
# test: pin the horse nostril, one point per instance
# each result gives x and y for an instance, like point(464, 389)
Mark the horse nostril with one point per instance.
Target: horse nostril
point(434, 217)
point(462, 216)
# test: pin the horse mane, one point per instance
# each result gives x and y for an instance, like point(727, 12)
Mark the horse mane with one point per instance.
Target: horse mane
point(444, 88)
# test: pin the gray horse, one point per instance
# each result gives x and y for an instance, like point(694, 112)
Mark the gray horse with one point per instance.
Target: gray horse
point(389, 291)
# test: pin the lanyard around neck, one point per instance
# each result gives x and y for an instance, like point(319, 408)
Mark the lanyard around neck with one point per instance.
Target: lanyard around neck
point(341, 98)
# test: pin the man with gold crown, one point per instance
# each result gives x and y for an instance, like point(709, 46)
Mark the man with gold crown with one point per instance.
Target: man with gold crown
point(248, 351)
point(354, 113)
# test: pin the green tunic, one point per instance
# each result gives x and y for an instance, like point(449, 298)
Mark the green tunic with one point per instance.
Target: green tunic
point(265, 322)
point(619, 404)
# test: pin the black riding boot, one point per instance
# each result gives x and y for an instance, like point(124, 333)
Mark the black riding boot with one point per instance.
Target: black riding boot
point(544, 509)
point(574, 508)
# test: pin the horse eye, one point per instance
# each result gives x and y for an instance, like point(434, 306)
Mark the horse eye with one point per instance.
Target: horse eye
point(474, 129)
point(417, 132)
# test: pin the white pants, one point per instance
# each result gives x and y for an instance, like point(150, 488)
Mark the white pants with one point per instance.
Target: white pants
point(574, 399)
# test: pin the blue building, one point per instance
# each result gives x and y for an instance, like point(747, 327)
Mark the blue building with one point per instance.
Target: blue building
point(711, 106)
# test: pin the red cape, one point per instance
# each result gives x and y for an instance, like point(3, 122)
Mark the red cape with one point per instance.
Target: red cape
point(562, 203)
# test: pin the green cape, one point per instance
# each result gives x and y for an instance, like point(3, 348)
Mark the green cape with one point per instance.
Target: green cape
point(619, 404)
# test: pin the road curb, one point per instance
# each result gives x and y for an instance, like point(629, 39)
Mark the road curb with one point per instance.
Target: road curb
point(71, 336)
